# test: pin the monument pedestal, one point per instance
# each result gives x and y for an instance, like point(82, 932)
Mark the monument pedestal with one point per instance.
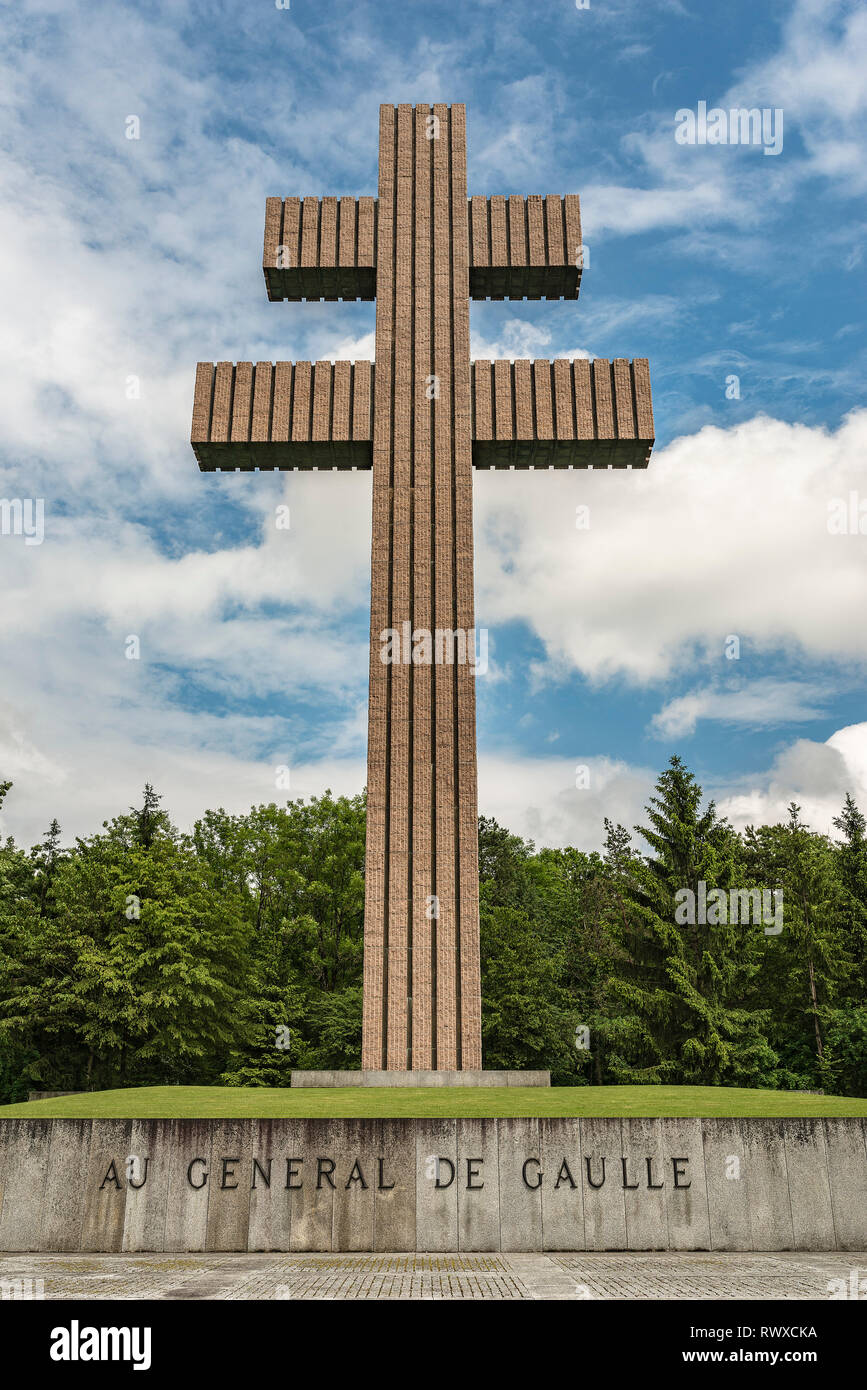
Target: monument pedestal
point(421, 1078)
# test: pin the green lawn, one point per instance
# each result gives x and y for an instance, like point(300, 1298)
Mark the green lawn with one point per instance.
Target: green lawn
point(237, 1102)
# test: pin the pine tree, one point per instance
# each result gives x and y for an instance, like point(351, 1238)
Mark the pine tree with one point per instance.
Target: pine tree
point(677, 1005)
point(527, 1017)
point(851, 858)
point(45, 858)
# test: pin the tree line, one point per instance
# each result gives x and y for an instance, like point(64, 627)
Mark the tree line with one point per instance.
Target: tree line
point(230, 955)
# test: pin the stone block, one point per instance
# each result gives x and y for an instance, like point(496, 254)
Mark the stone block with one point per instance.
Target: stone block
point(604, 1206)
point(311, 1189)
point(270, 1204)
point(809, 1186)
point(728, 1195)
point(353, 1145)
point(436, 1168)
point(563, 1184)
point(26, 1146)
point(767, 1185)
point(188, 1176)
point(105, 1185)
point(647, 1173)
point(478, 1182)
point(63, 1208)
point(521, 1178)
point(394, 1204)
point(686, 1207)
point(229, 1185)
point(847, 1173)
point(147, 1182)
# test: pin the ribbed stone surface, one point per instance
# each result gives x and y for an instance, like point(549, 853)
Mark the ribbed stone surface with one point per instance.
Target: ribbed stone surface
point(327, 248)
point(307, 415)
point(562, 414)
point(320, 248)
point(422, 1001)
point(281, 415)
point(525, 248)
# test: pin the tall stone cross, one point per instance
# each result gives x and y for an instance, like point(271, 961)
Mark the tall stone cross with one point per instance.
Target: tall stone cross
point(422, 417)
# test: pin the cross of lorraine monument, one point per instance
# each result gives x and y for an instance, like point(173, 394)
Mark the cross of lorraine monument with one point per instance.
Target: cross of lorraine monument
point(422, 416)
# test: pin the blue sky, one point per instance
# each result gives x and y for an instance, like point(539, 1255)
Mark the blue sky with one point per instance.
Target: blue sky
point(125, 261)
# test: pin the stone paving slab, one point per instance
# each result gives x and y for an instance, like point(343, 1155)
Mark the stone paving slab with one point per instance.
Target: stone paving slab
point(794, 1275)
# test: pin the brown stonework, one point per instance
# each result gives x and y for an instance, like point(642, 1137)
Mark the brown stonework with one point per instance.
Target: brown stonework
point(562, 414)
point(524, 414)
point(421, 421)
point(525, 248)
point(326, 248)
point(422, 1000)
point(320, 248)
point(283, 415)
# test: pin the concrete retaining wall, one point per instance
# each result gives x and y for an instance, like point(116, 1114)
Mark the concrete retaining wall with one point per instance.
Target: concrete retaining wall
point(439, 1184)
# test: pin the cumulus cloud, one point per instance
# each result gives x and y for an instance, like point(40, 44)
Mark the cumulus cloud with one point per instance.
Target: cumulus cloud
point(190, 760)
point(725, 534)
point(553, 801)
point(543, 800)
point(816, 776)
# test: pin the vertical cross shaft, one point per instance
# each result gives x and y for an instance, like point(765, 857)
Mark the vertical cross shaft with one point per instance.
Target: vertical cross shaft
point(422, 1003)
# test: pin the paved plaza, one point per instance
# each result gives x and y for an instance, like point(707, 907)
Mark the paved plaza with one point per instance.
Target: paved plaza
point(609, 1275)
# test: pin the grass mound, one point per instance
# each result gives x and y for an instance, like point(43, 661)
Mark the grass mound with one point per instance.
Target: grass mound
point(238, 1102)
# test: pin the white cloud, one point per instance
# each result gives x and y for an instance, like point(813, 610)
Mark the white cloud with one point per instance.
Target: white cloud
point(761, 704)
point(102, 773)
point(817, 76)
point(814, 775)
point(725, 533)
point(538, 797)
